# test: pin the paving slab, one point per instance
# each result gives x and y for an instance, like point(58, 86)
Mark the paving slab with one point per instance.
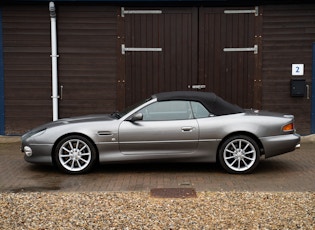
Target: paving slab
point(292, 172)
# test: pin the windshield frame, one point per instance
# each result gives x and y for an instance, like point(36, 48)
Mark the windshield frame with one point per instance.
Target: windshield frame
point(131, 108)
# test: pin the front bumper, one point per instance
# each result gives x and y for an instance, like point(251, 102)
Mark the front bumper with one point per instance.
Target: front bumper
point(40, 154)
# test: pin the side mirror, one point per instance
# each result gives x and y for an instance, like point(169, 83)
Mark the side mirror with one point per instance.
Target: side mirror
point(136, 117)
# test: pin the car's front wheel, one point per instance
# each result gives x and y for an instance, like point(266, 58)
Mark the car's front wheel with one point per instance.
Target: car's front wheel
point(239, 154)
point(75, 154)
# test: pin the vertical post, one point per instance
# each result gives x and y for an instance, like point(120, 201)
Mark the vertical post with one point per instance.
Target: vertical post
point(313, 92)
point(54, 57)
point(257, 91)
point(121, 64)
point(2, 115)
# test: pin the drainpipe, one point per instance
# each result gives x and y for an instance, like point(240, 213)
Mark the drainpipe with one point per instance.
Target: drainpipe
point(54, 57)
point(2, 114)
point(313, 93)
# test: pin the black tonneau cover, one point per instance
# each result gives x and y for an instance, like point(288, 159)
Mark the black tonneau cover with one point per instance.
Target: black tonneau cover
point(211, 101)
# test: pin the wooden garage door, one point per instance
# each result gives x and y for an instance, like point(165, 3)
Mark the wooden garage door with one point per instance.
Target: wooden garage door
point(193, 57)
point(229, 53)
point(175, 67)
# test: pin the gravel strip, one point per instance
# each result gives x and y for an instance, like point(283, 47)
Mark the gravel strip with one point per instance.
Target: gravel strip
point(137, 210)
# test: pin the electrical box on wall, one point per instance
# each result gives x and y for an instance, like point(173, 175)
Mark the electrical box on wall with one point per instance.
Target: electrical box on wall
point(298, 87)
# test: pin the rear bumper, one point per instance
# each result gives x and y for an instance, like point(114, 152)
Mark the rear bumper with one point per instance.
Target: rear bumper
point(281, 144)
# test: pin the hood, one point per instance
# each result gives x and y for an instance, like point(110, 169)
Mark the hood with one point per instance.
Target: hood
point(86, 118)
point(71, 120)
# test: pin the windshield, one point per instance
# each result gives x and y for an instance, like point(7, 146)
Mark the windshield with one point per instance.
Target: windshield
point(118, 115)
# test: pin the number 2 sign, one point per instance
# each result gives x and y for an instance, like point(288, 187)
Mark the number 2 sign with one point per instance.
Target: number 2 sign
point(297, 69)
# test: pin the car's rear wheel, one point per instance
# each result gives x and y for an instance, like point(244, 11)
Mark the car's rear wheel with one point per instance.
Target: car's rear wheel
point(239, 154)
point(75, 154)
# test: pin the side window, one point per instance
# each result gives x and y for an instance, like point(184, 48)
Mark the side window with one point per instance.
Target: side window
point(167, 110)
point(199, 110)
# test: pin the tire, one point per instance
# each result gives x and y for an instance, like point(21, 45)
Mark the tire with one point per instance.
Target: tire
point(75, 155)
point(239, 154)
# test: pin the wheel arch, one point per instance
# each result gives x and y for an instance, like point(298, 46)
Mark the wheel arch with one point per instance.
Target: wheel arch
point(73, 134)
point(251, 135)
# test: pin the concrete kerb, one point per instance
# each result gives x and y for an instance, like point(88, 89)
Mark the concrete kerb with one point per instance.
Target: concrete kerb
point(9, 139)
point(308, 139)
point(14, 139)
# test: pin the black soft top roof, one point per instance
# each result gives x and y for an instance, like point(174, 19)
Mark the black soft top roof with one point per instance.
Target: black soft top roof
point(211, 101)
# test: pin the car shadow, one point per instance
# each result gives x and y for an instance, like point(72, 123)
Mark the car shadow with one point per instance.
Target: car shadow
point(272, 166)
point(41, 168)
point(157, 167)
point(269, 166)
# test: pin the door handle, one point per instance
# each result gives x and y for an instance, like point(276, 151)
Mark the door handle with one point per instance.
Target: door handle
point(61, 92)
point(187, 129)
point(196, 86)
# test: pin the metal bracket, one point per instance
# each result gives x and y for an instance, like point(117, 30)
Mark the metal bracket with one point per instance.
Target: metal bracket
point(255, 49)
point(124, 49)
point(55, 97)
point(307, 91)
point(123, 11)
point(255, 11)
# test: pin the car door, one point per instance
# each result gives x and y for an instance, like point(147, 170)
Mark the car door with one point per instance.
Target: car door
point(167, 130)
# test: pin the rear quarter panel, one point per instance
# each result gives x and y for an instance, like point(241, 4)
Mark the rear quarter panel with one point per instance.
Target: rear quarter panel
point(261, 126)
point(215, 129)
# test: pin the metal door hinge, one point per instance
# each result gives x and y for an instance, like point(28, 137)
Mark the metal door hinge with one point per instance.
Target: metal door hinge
point(123, 11)
point(255, 11)
point(124, 49)
point(255, 49)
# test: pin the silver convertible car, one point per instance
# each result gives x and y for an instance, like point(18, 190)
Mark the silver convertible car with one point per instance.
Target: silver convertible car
point(175, 126)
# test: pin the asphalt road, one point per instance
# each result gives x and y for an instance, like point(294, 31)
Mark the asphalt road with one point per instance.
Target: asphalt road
point(292, 172)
